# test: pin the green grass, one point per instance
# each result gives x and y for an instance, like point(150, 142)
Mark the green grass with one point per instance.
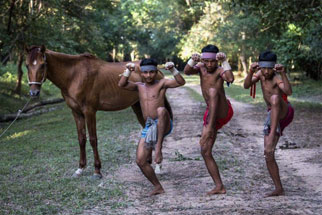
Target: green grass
point(38, 156)
point(11, 102)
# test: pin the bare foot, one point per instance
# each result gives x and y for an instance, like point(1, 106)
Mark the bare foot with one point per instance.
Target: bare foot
point(277, 192)
point(157, 190)
point(216, 190)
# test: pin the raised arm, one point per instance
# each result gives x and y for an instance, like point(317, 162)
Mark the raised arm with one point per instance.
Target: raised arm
point(226, 73)
point(190, 69)
point(251, 78)
point(178, 79)
point(124, 81)
point(284, 85)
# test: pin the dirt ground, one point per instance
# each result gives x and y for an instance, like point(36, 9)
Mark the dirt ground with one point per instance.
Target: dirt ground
point(239, 155)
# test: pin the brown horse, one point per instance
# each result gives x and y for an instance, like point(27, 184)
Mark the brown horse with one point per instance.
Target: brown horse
point(87, 84)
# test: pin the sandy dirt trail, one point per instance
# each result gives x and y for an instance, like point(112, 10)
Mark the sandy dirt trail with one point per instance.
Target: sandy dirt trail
point(239, 154)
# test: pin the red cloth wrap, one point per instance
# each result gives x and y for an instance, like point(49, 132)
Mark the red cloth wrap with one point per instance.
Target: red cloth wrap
point(219, 122)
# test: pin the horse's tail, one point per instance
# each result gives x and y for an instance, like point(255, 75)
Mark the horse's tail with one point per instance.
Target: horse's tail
point(136, 107)
point(168, 107)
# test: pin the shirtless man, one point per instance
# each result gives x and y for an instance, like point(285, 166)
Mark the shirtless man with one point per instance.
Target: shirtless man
point(276, 88)
point(158, 123)
point(219, 110)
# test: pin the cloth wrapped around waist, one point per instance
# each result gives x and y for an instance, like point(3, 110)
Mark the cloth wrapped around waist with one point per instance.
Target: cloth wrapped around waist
point(282, 124)
point(150, 132)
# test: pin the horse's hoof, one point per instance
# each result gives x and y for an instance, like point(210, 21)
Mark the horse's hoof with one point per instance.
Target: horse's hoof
point(78, 173)
point(96, 176)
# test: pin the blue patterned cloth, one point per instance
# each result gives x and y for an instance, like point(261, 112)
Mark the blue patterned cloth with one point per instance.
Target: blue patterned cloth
point(150, 132)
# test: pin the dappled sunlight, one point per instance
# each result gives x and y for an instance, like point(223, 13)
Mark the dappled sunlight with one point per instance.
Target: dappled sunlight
point(18, 134)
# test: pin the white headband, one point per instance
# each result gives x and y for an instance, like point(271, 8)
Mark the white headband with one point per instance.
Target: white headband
point(148, 68)
point(266, 64)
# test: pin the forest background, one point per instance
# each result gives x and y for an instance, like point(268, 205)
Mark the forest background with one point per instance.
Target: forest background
point(126, 30)
point(39, 154)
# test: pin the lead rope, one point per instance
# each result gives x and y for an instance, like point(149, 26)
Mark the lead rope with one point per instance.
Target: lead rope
point(18, 114)
point(253, 89)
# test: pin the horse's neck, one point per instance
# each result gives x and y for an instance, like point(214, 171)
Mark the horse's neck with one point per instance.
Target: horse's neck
point(60, 68)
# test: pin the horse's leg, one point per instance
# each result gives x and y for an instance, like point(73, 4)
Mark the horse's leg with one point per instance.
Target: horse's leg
point(81, 132)
point(138, 112)
point(90, 117)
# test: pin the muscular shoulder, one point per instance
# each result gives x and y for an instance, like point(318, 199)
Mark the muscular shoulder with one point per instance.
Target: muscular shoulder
point(139, 84)
point(278, 79)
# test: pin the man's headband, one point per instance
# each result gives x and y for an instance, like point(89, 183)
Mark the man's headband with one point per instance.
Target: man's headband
point(146, 68)
point(208, 55)
point(266, 64)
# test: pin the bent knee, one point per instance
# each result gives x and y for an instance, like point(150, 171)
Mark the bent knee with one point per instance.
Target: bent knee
point(269, 147)
point(275, 100)
point(205, 152)
point(141, 162)
point(213, 92)
point(269, 151)
point(269, 154)
point(162, 111)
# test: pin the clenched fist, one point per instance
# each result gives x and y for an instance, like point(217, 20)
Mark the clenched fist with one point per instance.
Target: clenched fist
point(130, 66)
point(169, 65)
point(254, 67)
point(195, 57)
point(220, 56)
point(279, 68)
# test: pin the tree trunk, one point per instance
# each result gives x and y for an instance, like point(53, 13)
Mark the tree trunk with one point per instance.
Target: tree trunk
point(10, 16)
point(19, 74)
point(243, 63)
point(114, 55)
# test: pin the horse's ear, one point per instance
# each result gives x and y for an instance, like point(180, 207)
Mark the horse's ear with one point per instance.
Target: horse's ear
point(42, 49)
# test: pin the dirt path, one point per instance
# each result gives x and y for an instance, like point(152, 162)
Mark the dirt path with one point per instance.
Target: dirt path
point(239, 154)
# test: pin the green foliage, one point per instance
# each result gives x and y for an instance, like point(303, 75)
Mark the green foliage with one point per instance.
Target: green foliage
point(245, 28)
point(294, 31)
point(167, 30)
point(11, 102)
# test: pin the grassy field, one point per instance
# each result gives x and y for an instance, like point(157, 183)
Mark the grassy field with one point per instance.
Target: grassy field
point(38, 156)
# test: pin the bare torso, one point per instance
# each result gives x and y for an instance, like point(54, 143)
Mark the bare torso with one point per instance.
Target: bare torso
point(151, 98)
point(213, 80)
point(269, 87)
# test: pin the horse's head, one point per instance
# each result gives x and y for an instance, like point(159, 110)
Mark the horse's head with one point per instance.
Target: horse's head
point(37, 68)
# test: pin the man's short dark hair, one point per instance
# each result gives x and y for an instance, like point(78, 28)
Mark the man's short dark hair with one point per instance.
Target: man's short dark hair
point(267, 56)
point(210, 48)
point(148, 61)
